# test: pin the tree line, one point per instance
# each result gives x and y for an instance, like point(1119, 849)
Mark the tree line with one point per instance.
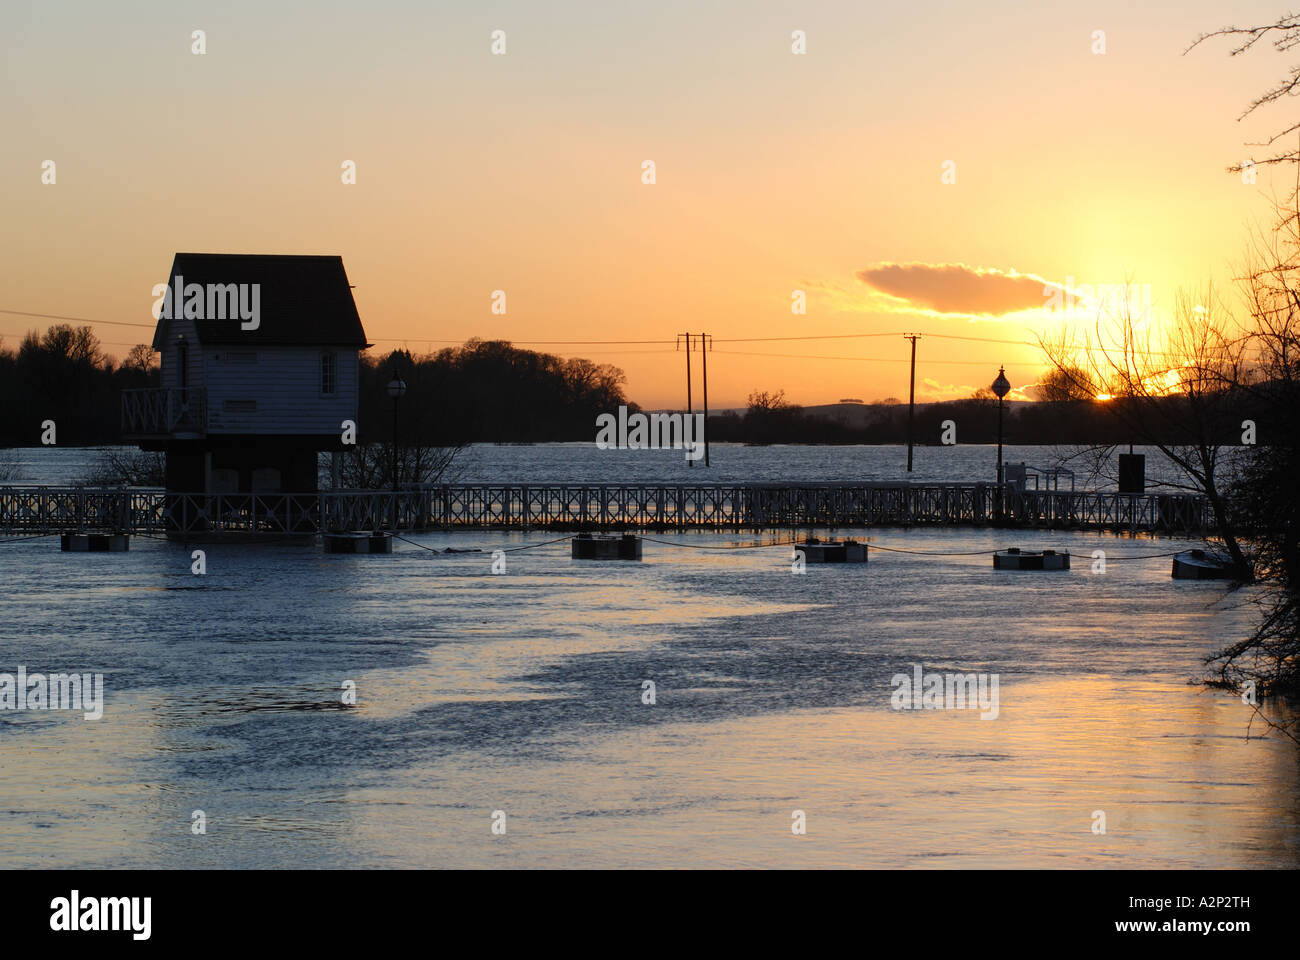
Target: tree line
point(491, 391)
point(64, 375)
point(1072, 420)
point(486, 391)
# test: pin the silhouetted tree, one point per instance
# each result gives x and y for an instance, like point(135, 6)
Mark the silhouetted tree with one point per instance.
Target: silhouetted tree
point(1066, 386)
point(1176, 386)
point(1284, 35)
point(489, 391)
point(63, 375)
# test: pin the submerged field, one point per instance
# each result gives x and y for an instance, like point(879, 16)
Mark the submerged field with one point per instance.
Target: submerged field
point(522, 693)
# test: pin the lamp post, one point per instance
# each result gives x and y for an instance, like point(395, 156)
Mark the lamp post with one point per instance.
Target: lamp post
point(1001, 387)
point(396, 388)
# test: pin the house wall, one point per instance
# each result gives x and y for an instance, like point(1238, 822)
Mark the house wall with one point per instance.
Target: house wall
point(271, 391)
point(167, 358)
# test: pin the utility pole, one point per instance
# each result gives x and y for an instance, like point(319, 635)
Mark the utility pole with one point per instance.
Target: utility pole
point(706, 344)
point(689, 463)
point(911, 398)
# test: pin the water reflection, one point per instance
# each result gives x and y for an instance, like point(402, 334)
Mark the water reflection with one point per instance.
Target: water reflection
point(523, 693)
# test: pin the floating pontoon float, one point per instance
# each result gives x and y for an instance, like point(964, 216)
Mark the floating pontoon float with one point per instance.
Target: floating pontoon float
point(72, 542)
point(1017, 559)
point(358, 542)
point(588, 547)
point(832, 551)
point(1200, 565)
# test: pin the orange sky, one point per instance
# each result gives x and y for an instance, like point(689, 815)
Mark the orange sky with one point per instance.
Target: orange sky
point(522, 172)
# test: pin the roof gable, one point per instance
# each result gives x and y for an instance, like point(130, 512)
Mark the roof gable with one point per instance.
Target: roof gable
point(302, 300)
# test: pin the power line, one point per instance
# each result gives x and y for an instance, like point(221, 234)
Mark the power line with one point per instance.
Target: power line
point(55, 316)
point(509, 340)
point(622, 353)
point(619, 353)
point(557, 343)
point(102, 343)
point(949, 336)
point(658, 343)
point(830, 336)
point(809, 356)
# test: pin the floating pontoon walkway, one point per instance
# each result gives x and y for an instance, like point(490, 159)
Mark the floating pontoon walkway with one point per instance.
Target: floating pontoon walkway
point(615, 507)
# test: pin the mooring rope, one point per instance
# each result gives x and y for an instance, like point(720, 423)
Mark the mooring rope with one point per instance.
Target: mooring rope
point(870, 544)
point(1143, 556)
point(983, 553)
point(729, 546)
point(527, 546)
point(873, 545)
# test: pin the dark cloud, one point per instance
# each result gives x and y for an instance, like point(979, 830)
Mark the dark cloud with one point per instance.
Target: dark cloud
point(957, 288)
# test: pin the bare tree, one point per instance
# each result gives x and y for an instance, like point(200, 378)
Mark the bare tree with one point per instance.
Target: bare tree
point(1284, 35)
point(1267, 491)
point(1174, 386)
point(1066, 386)
point(370, 466)
point(142, 358)
point(762, 401)
point(122, 466)
point(79, 345)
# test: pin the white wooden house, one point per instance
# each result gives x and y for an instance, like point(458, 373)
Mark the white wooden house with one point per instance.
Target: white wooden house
point(260, 364)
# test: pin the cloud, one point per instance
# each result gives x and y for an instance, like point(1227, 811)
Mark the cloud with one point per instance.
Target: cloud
point(1030, 391)
point(930, 391)
point(959, 289)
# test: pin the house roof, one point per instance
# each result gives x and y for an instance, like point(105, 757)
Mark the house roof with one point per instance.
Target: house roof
point(303, 300)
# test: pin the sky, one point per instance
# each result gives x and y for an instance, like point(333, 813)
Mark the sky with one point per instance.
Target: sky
point(775, 173)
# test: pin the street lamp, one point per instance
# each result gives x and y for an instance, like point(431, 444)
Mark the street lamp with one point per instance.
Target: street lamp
point(1001, 387)
point(396, 389)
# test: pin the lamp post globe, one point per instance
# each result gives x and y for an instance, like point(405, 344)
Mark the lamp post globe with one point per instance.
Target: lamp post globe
point(1001, 386)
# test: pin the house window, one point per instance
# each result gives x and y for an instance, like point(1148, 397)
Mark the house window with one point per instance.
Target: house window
point(327, 373)
point(182, 365)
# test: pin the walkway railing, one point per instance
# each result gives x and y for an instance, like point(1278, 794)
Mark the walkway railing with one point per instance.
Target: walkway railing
point(597, 507)
point(159, 411)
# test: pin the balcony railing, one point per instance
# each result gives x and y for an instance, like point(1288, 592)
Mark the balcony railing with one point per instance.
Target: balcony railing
point(161, 412)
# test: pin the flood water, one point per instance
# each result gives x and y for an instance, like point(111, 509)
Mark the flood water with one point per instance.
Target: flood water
point(729, 463)
point(522, 692)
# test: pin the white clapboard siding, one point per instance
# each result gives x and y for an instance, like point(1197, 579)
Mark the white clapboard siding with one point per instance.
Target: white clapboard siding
point(277, 390)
